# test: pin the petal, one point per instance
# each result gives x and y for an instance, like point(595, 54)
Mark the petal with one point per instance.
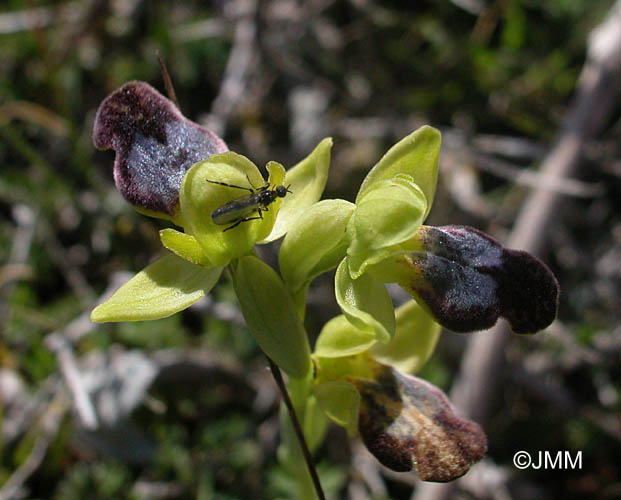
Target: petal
point(365, 302)
point(184, 246)
point(467, 280)
point(389, 213)
point(416, 336)
point(408, 423)
point(307, 181)
point(340, 401)
point(417, 156)
point(154, 144)
point(339, 338)
point(316, 242)
point(167, 286)
point(276, 177)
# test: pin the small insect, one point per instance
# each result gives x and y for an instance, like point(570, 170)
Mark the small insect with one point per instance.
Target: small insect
point(238, 210)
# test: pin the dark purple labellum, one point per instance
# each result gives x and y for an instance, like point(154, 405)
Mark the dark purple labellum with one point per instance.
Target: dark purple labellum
point(154, 144)
point(467, 280)
point(407, 422)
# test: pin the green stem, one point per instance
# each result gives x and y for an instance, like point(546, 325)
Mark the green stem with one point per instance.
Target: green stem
point(297, 428)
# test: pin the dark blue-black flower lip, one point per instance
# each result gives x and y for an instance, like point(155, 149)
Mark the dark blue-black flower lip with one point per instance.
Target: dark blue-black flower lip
point(467, 280)
point(154, 143)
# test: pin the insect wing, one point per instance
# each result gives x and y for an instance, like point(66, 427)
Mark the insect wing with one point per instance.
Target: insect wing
point(235, 210)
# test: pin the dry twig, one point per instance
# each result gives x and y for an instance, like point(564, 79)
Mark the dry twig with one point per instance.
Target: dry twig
point(238, 68)
point(49, 428)
point(69, 369)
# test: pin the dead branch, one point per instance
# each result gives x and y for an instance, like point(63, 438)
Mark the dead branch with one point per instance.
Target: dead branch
point(26, 219)
point(69, 369)
point(49, 428)
point(238, 68)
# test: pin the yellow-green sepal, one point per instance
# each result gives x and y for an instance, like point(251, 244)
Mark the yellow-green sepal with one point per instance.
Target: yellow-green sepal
point(334, 390)
point(365, 302)
point(339, 338)
point(199, 197)
point(316, 243)
point(161, 289)
point(276, 177)
point(315, 423)
point(388, 214)
point(416, 336)
point(415, 155)
point(340, 401)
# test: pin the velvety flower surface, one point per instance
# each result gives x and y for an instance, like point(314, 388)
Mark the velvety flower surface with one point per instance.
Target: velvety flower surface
point(404, 421)
point(170, 167)
point(367, 387)
point(467, 280)
point(459, 277)
point(408, 423)
point(361, 371)
point(155, 145)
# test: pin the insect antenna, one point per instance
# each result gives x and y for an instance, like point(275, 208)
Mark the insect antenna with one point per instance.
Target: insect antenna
point(231, 185)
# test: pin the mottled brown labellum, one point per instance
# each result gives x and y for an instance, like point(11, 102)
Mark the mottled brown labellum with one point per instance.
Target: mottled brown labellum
point(408, 423)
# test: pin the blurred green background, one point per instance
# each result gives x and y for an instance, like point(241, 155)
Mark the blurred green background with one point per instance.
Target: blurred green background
point(185, 406)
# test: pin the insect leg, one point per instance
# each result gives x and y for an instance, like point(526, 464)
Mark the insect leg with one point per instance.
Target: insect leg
point(240, 221)
point(232, 185)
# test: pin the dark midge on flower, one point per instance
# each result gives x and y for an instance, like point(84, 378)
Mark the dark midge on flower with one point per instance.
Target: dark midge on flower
point(238, 210)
